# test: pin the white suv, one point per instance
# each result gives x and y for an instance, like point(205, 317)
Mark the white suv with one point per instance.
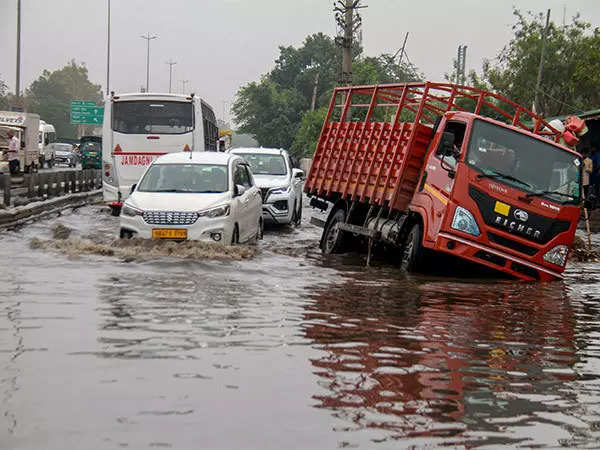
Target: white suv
point(279, 183)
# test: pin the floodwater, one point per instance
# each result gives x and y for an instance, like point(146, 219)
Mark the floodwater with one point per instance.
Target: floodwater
point(283, 348)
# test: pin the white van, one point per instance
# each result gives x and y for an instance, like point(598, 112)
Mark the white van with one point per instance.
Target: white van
point(46, 137)
point(140, 127)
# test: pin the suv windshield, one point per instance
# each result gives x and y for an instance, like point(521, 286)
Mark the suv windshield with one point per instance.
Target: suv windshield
point(152, 117)
point(524, 162)
point(196, 178)
point(264, 164)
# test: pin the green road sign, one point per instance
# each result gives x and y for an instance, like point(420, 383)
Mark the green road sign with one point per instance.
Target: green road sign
point(87, 113)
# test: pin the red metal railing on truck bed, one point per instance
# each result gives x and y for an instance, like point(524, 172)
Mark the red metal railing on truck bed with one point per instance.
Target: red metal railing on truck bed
point(374, 138)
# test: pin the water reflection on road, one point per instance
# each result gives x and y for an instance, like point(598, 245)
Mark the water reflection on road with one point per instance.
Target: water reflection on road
point(287, 350)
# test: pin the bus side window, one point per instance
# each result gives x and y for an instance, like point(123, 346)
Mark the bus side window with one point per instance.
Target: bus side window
point(458, 130)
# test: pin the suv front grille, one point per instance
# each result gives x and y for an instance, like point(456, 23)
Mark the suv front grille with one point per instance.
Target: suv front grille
point(170, 217)
point(264, 192)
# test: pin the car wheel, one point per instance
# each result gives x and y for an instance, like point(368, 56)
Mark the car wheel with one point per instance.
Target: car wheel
point(333, 237)
point(125, 234)
point(235, 237)
point(115, 211)
point(413, 253)
point(261, 230)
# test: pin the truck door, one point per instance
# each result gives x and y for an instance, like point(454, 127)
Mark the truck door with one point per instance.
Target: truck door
point(439, 176)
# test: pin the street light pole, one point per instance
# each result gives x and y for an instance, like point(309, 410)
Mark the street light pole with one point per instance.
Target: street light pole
point(108, 53)
point(148, 39)
point(171, 63)
point(18, 80)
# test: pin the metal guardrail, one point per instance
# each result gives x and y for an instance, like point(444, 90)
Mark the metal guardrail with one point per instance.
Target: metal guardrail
point(48, 185)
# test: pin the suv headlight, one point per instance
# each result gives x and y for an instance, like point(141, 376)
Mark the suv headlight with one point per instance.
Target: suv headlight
point(219, 211)
point(130, 211)
point(464, 221)
point(280, 190)
point(558, 255)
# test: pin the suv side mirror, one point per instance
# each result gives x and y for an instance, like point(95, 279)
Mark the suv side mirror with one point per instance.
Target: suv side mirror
point(298, 173)
point(238, 190)
point(447, 144)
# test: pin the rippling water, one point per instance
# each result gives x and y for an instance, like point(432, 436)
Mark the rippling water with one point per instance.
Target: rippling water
point(289, 349)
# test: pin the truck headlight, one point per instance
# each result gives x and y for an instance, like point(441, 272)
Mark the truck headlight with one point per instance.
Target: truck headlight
point(464, 221)
point(130, 211)
point(557, 256)
point(219, 211)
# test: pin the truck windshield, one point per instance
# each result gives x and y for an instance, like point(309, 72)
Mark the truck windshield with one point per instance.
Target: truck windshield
point(152, 117)
point(265, 164)
point(526, 163)
point(196, 178)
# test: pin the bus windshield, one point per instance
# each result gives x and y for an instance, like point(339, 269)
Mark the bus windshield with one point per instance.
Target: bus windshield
point(152, 117)
point(526, 163)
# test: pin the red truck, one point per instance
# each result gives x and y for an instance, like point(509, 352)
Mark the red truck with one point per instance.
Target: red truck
point(434, 167)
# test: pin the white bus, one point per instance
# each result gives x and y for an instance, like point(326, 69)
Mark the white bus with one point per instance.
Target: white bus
point(138, 128)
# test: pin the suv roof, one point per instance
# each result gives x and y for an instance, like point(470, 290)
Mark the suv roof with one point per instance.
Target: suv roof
point(195, 158)
point(250, 150)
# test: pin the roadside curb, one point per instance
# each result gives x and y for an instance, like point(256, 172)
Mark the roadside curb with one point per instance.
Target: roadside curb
point(36, 210)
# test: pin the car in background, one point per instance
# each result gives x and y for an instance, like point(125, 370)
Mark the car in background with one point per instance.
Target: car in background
point(90, 152)
point(205, 196)
point(280, 184)
point(64, 154)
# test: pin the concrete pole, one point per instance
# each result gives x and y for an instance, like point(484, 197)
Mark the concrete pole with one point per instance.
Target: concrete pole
point(536, 101)
point(171, 63)
point(347, 43)
point(148, 39)
point(313, 103)
point(18, 77)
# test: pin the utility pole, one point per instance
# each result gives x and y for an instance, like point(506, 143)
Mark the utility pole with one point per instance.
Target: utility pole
point(461, 58)
point(183, 83)
point(148, 39)
point(108, 53)
point(171, 63)
point(313, 102)
point(536, 102)
point(18, 80)
point(349, 22)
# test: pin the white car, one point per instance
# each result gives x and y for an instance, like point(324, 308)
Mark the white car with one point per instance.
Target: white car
point(280, 184)
point(204, 196)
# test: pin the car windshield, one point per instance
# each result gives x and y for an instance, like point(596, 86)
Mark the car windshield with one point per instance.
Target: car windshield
point(89, 147)
point(63, 147)
point(264, 164)
point(196, 178)
point(153, 117)
point(524, 162)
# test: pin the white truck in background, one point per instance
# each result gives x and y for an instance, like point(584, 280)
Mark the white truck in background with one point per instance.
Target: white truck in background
point(25, 126)
point(47, 136)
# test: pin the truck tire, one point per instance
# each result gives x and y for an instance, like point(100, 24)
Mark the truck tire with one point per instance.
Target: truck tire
point(333, 238)
point(413, 253)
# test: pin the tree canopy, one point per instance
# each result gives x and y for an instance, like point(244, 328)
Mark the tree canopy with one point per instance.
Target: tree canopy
point(51, 94)
point(277, 109)
point(571, 73)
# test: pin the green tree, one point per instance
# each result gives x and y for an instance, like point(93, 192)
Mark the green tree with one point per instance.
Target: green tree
point(306, 139)
point(571, 73)
point(51, 94)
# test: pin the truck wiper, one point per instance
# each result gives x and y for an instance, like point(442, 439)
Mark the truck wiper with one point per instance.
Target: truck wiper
point(502, 175)
point(540, 193)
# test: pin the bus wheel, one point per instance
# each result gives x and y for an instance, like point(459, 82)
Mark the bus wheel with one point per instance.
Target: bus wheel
point(333, 237)
point(115, 211)
point(413, 253)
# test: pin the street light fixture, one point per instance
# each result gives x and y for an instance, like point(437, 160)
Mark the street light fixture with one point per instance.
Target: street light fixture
point(148, 39)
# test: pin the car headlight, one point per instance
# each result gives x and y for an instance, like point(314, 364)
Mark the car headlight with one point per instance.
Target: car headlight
point(219, 211)
point(130, 211)
point(464, 221)
point(558, 255)
point(280, 190)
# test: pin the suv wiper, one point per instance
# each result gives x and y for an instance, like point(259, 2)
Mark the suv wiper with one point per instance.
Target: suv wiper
point(540, 193)
point(168, 190)
point(502, 175)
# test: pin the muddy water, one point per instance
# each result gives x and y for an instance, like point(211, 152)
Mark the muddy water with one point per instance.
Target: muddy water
point(284, 349)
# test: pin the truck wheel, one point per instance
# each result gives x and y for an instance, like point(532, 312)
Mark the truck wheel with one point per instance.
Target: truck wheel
point(115, 211)
point(333, 237)
point(413, 253)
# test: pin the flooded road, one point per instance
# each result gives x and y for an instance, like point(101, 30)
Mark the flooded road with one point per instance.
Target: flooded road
point(284, 348)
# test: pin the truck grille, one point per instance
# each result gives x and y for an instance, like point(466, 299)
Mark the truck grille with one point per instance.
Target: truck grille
point(170, 217)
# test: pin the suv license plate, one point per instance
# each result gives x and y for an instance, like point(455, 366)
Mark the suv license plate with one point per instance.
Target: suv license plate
point(169, 233)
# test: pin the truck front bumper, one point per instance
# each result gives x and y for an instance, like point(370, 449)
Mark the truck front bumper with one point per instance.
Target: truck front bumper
point(494, 258)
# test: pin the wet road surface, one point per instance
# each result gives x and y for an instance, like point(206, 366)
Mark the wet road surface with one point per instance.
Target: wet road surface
point(288, 349)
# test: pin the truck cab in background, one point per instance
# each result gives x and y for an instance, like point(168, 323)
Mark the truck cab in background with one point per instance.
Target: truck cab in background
point(25, 127)
point(47, 135)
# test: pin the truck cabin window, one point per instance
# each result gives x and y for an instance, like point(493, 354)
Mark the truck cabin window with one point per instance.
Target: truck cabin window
point(458, 130)
point(524, 162)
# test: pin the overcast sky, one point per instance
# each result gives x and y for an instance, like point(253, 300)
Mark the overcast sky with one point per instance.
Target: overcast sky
point(219, 45)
